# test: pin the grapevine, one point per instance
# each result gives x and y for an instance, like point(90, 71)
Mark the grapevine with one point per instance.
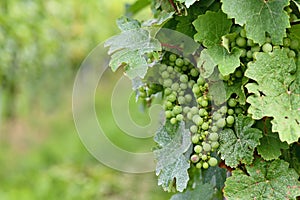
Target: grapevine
point(233, 94)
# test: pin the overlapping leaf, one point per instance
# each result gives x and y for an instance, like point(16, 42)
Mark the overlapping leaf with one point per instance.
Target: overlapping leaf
point(238, 146)
point(128, 48)
point(265, 180)
point(172, 164)
point(259, 18)
point(276, 93)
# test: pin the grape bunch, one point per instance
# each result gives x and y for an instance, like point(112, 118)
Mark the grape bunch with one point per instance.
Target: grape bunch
point(186, 98)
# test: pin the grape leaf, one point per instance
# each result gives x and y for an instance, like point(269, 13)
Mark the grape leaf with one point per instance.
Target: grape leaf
point(202, 191)
point(275, 94)
point(265, 180)
point(259, 17)
point(128, 49)
point(270, 144)
point(172, 164)
point(134, 8)
point(162, 18)
point(211, 27)
point(187, 3)
point(218, 55)
point(238, 89)
point(292, 156)
point(238, 145)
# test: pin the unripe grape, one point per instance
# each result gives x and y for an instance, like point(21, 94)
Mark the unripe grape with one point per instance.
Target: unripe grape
point(286, 42)
point(184, 78)
point(194, 72)
point(213, 136)
point(168, 91)
point(168, 114)
point(232, 102)
point(243, 33)
point(241, 42)
point(199, 165)
point(183, 86)
point(167, 82)
point(179, 62)
point(206, 147)
point(250, 43)
point(221, 123)
point(217, 116)
point(214, 129)
point(173, 120)
point(249, 54)
point(171, 98)
point(201, 81)
point(196, 89)
point(202, 112)
point(163, 67)
point(175, 86)
point(205, 165)
point(204, 157)
point(172, 58)
point(205, 126)
point(165, 74)
point(195, 158)
point(194, 110)
point(215, 144)
point(212, 161)
point(194, 129)
point(197, 148)
point(223, 110)
point(181, 100)
point(195, 139)
point(204, 103)
point(179, 117)
point(170, 69)
point(267, 47)
point(230, 120)
point(189, 115)
point(238, 110)
point(177, 110)
point(186, 109)
point(230, 111)
point(188, 98)
point(238, 74)
point(197, 120)
point(292, 54)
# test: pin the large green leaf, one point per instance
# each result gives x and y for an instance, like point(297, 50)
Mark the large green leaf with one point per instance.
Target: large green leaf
point(270, 144)
point(218, 56)
point(172, 164)
point(211, 27)
point(202, 191)
point(238, 145)
point(276, 93)
point(128, 48)
point(259, 17)
point(264, 180)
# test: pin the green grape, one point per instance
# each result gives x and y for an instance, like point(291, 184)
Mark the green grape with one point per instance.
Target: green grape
point(238, 110)
point(179, 117)
point(189, 115)
point(179, 62)
point(249, 54)
point(197, 120)
point(250, 43)
point(292, 54)
point(243, 33)
point(184, 78)
point(169, 104)
point(170, 69)
point(186, 109)
point(181, 100)
point(213, 136)
point(199, 165)
point(168, 113)
point(230, 120)
point(194, 129)
point(167, 82)
point(241, 42)
point(202, 112)
point(201, 81)
point(215, 144)
point(194, 72)
point(213, 161)
point(205, 165)
point(186, 61)
point(223, 110)
point(165, 74)
point(168, 91)
point(286, 42)
point(216, 116)
point(205, 126)
point(171, 98)
point(204, 103)
point(206, 147)
point(232, 102)
point(194, 110)
point(163, 67)
point(188, 98)
point(230, 111)
point(172, 58)
point(255, 48)
point(195, 139)
point(177, 110)
point(183, 86)
point(214, 129)
point(175, 86)
point(204, 157)
point(197, 148)
point(195, 158)
point(196, 89)
point(267, 47)
point(173, 120)
point(221, 123)
point(238, 74)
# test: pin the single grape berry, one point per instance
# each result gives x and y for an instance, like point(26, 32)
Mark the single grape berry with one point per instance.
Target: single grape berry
point(184, 78)
point(194, 129)
point(179, 62)
point(172, 58)
point(213, 136)
point(232, 102)
point(241, 42)
point(206, 147)
point(230, 120)
point(267, 47)
point(195, 158)
point(221, 123)
point(197, 148)
point(213, 161)
point(195, 139)
point(179, 117)
point(205, 165)
point(173, 120)
point(205, 126)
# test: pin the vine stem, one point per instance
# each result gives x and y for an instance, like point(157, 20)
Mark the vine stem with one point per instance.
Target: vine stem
point(173, 5)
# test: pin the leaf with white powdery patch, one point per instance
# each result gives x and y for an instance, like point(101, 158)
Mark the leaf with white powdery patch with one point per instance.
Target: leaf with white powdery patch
point(238, 145)
point(259, 18)
point(128, 49)
point(172, 163)
point(265, 180)
point(276, 93)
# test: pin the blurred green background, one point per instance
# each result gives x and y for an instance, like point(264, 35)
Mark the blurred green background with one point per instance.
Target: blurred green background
point(42, 44)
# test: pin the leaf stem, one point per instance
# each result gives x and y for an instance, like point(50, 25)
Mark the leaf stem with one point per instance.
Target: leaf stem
point(173, 5)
